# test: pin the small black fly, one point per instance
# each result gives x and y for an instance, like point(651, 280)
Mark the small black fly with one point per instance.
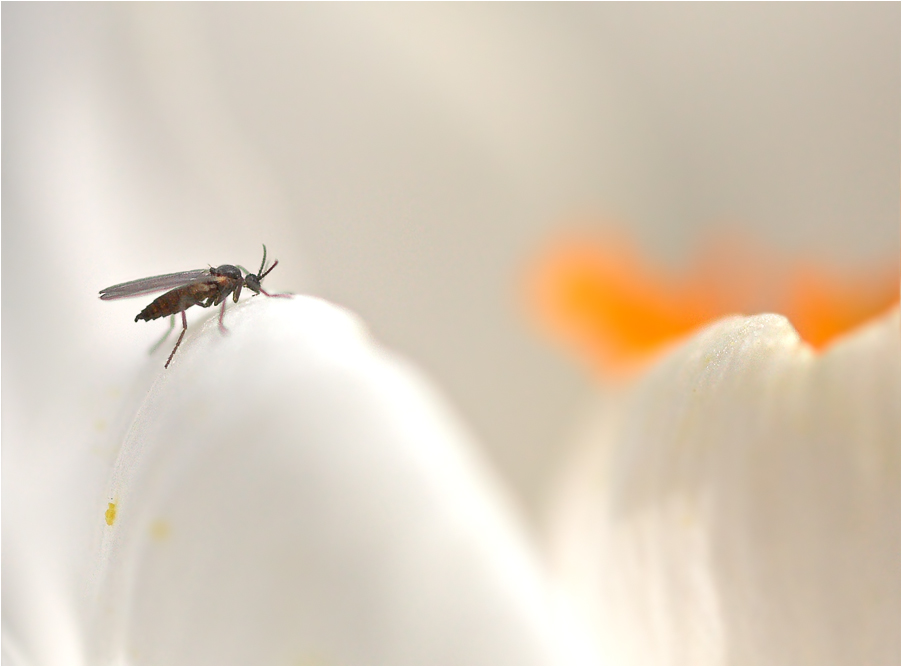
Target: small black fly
point(203, 287)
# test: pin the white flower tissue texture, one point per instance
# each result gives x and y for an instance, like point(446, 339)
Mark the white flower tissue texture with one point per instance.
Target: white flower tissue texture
point(741, 503)
point(289, 493)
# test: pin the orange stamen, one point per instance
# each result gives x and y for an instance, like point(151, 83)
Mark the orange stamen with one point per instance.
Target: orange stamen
point(824, 304)
point(617, 310)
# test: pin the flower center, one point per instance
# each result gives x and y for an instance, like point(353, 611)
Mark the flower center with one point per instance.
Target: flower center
point(616, 308)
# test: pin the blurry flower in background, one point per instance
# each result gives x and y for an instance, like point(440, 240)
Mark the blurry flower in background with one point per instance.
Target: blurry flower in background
point(293, 493)
point(739, 503)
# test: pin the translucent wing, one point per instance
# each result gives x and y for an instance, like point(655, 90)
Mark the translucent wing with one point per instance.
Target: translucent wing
point(153, 284)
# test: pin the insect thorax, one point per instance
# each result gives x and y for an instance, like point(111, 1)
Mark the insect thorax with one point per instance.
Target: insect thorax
point(227, 271)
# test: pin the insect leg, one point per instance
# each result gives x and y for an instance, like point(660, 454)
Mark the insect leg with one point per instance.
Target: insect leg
point(282, 296)
point(165, 335)
point(221, 315)
point(179, 341)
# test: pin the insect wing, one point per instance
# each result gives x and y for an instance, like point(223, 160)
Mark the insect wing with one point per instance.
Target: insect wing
point(153, 284)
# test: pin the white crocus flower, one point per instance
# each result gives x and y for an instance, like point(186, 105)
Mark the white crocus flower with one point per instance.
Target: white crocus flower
point(399, 159)
point(740, 503)
point(290, 492)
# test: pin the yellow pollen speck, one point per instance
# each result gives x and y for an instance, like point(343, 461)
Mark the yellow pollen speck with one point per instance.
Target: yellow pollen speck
point(159, 530)
point(99, 425)
point(110, 514)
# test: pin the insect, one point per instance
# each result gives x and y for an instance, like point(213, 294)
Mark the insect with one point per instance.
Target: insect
point(203, 287)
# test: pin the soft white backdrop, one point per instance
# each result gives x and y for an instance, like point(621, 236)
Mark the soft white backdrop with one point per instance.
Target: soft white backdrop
point(404, 160)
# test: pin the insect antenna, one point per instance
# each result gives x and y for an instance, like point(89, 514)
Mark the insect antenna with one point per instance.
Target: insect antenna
point(263, 263)
point(263, 275)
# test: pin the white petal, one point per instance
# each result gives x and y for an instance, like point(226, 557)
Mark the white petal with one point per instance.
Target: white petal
point(741, 504)
point(291, 493)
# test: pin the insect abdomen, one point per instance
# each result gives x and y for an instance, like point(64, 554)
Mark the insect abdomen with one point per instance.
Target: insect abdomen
point(177, 300)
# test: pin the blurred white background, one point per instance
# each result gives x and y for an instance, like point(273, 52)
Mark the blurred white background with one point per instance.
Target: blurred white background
point(404, 161)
